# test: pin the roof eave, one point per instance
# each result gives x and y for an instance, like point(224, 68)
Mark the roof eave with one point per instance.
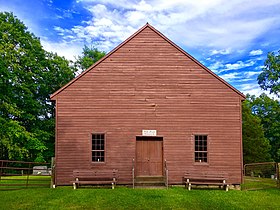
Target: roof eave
point(52, 97)
point(242, 96)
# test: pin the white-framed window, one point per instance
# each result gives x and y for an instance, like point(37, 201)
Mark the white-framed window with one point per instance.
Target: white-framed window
point(200, 150)
point(98, 147)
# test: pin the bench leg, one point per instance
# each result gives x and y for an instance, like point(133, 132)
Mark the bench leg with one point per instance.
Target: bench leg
point(74, 186)
point(189, 187)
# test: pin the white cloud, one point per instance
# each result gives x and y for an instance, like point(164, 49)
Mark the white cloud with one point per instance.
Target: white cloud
point(251, 73)
point(62, 32)
point(240, 77)
point(246, 80)
point(219, 26)
point(143, 6)
point(230, 76)
point(224, 26)
point(222, 52)
point(216, 66)
point(106, 27)
point(259, 67)
point(68, 50)
point(254, 89)
point(219, 67)
point(256, 52)
point(239, 65)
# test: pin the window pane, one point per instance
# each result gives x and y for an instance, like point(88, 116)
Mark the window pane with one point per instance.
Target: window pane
point(94, 156)
point(98, 142)
point(200, 148)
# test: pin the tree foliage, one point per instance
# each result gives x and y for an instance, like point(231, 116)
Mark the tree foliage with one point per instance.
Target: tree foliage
point(89, 56)
point(268, 110)
point(269, 79)
point(28, 75)
point(255, 146)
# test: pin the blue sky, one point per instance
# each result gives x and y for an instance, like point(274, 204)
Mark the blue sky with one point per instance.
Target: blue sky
point(232, 38)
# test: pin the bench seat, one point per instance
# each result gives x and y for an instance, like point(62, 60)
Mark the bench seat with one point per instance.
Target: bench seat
point(206, 182)
point(205, 179)
point(94, 177)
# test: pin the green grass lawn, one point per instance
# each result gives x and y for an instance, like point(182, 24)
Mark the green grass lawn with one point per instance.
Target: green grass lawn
point(127, 198)
point(252, 183)
point(18, 182)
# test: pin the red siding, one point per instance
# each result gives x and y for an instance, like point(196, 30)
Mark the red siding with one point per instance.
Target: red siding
point(148, 84)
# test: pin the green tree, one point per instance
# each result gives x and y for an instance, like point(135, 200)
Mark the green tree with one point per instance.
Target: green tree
point(269, 79)
point(255, 146)
point(28, 75)
point(89, 56)
point(268, 110)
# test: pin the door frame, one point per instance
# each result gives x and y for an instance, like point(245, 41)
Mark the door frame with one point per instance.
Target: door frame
point(149, 138)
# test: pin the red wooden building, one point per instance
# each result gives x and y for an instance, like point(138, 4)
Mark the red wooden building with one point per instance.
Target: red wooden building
point(150, 101)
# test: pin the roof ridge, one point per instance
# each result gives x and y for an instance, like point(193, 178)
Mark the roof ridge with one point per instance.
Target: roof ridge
point(166, 39)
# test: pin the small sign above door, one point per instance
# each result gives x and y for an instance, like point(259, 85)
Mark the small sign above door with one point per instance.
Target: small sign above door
point(149, 132)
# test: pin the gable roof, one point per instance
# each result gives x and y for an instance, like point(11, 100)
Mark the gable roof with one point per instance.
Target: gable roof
point(147, 25)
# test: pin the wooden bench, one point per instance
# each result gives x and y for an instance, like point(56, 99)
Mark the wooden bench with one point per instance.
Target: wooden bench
point(95, 177)
point(206, 179)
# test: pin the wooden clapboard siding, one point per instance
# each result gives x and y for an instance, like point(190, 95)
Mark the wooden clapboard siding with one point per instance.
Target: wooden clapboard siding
point(148, 83)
